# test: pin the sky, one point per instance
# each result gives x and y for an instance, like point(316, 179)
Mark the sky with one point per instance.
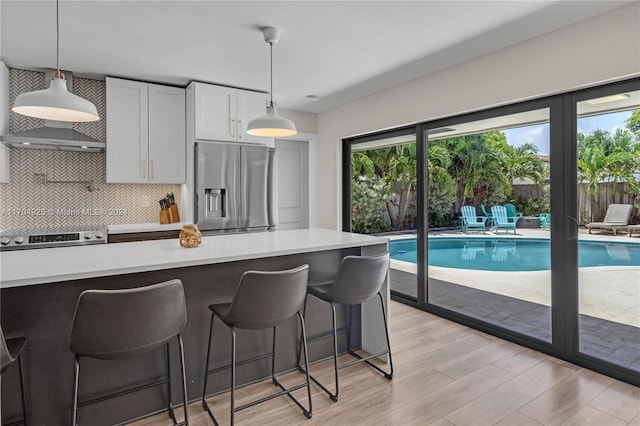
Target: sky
point(539, 134)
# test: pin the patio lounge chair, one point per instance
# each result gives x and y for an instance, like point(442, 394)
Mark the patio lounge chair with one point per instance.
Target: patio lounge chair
point(617, 218)
point(470, 220)
point(501, 220)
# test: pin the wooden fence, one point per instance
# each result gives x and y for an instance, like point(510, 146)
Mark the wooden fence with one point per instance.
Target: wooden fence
point(588, 209)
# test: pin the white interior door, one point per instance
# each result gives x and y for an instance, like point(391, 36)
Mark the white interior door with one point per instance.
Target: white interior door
point(293, 183)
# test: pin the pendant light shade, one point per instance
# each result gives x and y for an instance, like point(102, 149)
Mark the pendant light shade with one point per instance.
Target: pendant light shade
point(56, 102)
point(271, 125)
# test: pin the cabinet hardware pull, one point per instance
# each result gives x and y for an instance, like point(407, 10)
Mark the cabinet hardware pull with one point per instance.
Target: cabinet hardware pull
point(240, 131)
point(232, 127)
point(144, 169)
point(152, 174)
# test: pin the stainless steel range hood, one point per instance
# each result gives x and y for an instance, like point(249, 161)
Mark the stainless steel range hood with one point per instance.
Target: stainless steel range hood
point(54, 138)
point(56, 135)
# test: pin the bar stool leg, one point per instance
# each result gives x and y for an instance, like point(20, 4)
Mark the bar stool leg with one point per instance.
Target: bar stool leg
point(22, 393)
point(167, 358)
point(334, 397)
point(233, 372)
point(76, 374)
point(306, 364)
point(206, 368)
point(205, 405)
point(273, 359)
point(184, 380)
point(389, 375)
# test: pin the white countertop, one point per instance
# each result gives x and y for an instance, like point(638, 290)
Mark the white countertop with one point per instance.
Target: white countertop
point(28, 267)
point(130, 228)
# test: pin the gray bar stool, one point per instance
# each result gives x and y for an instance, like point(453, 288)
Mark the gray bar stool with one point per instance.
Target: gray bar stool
point(263, 300)
point(118, 324)
point(358, 279)
point(11, 351)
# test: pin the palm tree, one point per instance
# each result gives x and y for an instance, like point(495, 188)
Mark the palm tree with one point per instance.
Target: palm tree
point(438, 161)
point(523, 162)
point(401, 179)
point(603, 156)
point(474, 165)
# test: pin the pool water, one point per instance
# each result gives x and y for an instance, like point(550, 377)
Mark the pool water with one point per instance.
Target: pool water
point(512, 254)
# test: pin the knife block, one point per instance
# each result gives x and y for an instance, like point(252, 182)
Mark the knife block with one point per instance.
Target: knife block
point(170, 215)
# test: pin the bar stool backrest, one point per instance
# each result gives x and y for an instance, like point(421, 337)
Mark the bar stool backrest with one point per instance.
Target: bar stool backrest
point(359, 278)
point(5, 356)
point(115, 324)
point(266, 299)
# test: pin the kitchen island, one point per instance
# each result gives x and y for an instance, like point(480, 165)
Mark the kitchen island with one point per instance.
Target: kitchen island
point(40, 289)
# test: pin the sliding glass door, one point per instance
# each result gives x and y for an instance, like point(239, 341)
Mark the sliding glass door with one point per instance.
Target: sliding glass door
point(522, 221)
point(608, 169)
point(382, 188)
point(488, 207)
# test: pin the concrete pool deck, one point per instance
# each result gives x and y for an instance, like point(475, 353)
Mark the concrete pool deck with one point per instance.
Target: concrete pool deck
point(608, 292)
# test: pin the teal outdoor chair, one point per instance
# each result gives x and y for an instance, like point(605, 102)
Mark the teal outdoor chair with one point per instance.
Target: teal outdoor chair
point(501, 220)
point(470, 220)
point(486, 214)
point(545, 220)
point(511, 210)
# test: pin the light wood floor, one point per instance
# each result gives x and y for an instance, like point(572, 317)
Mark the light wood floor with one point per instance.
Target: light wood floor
point(445, 374)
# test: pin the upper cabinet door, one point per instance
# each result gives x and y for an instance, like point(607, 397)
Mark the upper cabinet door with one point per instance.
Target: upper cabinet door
point(166, 134)
point(250, 105)
point(127, 131)
point(215, 112)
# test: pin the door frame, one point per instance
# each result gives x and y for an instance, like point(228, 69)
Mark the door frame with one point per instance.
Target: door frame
point(312, 140)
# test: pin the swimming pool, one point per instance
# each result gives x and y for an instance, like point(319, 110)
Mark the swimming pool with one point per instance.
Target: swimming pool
point(512, 254)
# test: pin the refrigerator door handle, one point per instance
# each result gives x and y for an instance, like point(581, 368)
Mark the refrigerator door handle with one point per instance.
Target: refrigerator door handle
point(243, 220)
point(272, 190)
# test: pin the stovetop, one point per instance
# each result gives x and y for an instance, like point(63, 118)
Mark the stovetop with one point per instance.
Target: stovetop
point(30, 238)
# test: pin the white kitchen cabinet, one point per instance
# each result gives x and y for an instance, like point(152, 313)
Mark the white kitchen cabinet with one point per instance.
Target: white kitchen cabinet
point(145, 132)
point(4, 123)
point(223, 113)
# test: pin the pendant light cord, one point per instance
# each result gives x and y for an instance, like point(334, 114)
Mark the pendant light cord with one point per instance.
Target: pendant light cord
point(57, 37)
point(271, 91)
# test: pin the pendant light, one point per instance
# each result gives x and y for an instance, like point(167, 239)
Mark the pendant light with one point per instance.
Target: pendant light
point(56, 102)
point(271, 125)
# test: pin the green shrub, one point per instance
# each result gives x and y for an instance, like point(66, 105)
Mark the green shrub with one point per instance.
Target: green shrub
point(531, 206)
point(440, 211)
point(368, 200)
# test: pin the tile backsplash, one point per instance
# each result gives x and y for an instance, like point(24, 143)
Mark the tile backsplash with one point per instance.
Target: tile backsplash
point(27, 202)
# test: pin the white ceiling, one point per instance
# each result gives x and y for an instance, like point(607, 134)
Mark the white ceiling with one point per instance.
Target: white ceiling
point(337, 50)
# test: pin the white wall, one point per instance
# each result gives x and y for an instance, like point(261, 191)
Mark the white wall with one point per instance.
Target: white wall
point(306, 122)
point(600, 49)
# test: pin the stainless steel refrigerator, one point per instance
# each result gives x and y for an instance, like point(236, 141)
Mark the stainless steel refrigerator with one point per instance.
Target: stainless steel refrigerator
point(235, 188)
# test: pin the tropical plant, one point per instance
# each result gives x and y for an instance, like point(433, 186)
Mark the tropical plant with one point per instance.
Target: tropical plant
point(401, 182)
point(368, 205)
point(633, 122)
point(603, 156)
point(523, 162)
point(391, 172)
point(476, 167)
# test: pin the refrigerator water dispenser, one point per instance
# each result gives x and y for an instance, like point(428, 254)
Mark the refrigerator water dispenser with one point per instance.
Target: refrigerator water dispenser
point(215, 202)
